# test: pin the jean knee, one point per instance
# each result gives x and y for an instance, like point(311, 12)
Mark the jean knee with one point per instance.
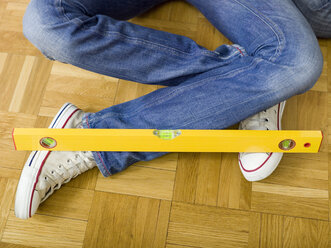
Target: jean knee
point(39, 22)
point(297, 68)
point(304, 71)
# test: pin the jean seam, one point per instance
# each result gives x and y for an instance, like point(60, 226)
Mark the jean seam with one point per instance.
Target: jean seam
point(321, 7)
point(134, 40)
point(174, 51)
point(325, 5)
point(98, 153)
point(60, 8)
point(272, 26)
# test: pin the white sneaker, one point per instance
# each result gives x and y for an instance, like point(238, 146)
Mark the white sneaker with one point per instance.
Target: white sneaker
point(46, 171)
point(258, 166)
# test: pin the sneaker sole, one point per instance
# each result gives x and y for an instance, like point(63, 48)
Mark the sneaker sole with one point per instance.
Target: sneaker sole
point(33, 166)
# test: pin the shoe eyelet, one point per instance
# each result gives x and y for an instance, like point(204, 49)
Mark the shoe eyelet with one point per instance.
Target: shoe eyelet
point(68, 161)
point(60, 166)
point(266, 119)
point(45, 178)
point(76, 156)
point(52, 172)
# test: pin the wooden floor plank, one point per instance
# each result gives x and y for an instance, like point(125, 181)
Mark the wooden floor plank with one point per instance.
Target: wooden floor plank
point(272, 231)
point(12, 16)
point(9, 245)
point(44, 231)
point(9, 157)
point(140, 181)
point(284, 231)
point(166, 162)
point(67, 202)
point(124, 221)
point(9, 77)
point(7, 193)
point(234, 190)
point(292, 201)
point(186, 177)
point(204, 226)
point(308, 233)
point(208, 179)
point(301, 172)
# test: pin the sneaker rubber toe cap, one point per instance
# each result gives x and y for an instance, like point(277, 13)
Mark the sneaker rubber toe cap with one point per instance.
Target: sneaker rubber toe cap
point(258, 166)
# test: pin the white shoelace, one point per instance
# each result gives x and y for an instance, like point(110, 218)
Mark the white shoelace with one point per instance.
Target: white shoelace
point(63, 173)
point(265, 120)
point(261, 121)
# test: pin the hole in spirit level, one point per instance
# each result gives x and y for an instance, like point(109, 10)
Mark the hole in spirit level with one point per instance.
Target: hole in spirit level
point(307, 145)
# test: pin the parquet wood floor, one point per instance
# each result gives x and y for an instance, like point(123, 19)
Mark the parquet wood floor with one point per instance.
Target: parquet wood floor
point(180, 200)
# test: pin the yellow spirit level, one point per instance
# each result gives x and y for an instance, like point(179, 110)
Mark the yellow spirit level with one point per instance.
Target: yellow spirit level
point(151, 140)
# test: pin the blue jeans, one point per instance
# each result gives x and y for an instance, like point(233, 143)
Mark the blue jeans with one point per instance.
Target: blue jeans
point(318, 14)
point(276, 55)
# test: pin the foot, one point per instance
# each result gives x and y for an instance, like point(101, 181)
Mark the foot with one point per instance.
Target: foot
point(46, 171)
point(258, 166)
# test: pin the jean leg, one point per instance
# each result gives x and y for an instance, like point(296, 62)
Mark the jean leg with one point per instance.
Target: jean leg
point(67, 31)
point(318, 14)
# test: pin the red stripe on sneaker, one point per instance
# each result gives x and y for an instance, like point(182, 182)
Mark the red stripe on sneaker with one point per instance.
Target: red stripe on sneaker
point(43, 163)
point(278, 124)
point(257, 167)
point(69, 118)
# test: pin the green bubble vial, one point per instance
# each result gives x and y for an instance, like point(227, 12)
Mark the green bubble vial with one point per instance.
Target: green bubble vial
point(287, 144)
point(167, 134)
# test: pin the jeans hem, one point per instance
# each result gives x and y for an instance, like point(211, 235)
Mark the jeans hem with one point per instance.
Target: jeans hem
point(97, 156)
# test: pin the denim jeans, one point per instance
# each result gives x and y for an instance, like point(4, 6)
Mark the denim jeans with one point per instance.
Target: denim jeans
point(275, 56)
point(318, 14)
